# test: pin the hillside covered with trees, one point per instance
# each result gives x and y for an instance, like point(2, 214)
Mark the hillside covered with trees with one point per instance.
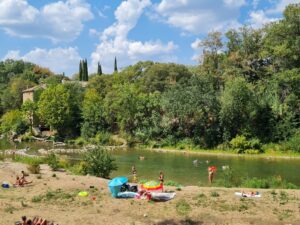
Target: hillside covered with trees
point(245, 92)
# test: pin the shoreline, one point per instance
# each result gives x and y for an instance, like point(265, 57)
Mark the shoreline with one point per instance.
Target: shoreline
point(83, 149)
point(210, 152)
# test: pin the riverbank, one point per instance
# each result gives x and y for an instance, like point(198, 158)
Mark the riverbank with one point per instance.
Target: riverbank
point(268, 154)
point(55, 197)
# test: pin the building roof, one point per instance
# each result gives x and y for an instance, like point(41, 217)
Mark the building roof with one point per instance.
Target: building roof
point(32, 89)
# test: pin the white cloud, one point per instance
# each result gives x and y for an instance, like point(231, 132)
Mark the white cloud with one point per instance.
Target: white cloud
point(259, 18)
point(234, 3)
point(199, 16)
point(58, 21)
point(94, 32)
point(196, 44)
point(114, 40)
point(280, 6)
point(58, 60)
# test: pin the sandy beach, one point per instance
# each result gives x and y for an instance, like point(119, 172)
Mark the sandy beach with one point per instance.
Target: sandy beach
point(53, 195)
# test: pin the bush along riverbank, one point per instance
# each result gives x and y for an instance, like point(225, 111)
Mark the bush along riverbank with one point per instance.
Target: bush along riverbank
point(239, 145)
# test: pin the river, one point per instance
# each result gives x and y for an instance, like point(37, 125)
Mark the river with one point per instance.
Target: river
point(180, 168)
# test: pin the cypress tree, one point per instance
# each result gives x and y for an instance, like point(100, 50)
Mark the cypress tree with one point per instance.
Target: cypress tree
point(99, 71)
point(116, 67)
point(86, 71)
point(80, 70)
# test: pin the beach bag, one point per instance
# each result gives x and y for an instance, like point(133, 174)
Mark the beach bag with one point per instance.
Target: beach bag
point(133, 188)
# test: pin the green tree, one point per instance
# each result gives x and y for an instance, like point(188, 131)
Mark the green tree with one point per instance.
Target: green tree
point(93, 114)
point(238, 107)
point(115, 66)
point(282, 42)
point(29, 111)
point(54, 107)
point(159, 76)
point(99, 162)
point(13, 121)
point(80, 70)
point(76, 95)
point(99, 69)
point(85, 71)
point(12, 97)
point(192, 111)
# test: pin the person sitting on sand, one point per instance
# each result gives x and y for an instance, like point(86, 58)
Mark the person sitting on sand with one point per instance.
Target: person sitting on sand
point(19, 182)
point(249, 193)
point(24, 175)
point(35, 221)
point(24, 218)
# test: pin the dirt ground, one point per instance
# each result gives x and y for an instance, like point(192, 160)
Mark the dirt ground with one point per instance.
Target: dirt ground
point(55, 197)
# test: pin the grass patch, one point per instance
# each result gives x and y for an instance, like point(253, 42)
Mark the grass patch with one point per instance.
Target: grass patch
point(272, 182)
point(183, 207)
point(284, 214)
point(10, 209)
point(214, 194)
point(283, 197)
point(53, 196)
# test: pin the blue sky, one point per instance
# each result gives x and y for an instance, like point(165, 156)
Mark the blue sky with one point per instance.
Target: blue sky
point(57, 34)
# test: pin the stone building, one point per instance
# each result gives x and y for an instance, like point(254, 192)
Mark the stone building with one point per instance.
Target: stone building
point(29, 94)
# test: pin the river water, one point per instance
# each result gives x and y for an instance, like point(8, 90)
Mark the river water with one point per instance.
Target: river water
point(180, 168)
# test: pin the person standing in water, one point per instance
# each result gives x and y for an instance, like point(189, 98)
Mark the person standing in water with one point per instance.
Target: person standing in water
point(211, 173)
point(133, 171)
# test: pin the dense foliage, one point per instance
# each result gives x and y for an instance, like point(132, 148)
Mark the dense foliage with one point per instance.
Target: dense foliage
point(244, 93)
point(99, 162)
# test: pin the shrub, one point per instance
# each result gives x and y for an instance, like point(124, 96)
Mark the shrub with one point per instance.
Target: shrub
point(78, 168)
point(63, 163)
point(1, 157)
point(241, 145)
point(254, 143)
point(80, 141)
point(214, 194)
point(13, 121)
point(183, 207)
point(256, 183)
point(293, 144)
point(52, 161)
point(102, 138)
point(185, 144)
point(34, 168)
point(229, 179)
point(168, 141)
point(99, 163)
point(272, 182)
point(252, 151)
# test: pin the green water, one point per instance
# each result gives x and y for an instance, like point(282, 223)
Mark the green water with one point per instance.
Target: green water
point(179, 167)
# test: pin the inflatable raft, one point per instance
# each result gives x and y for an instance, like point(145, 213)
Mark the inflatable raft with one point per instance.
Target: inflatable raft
point(162, 196)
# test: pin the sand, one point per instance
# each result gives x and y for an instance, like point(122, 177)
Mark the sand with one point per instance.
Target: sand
point(55, 197)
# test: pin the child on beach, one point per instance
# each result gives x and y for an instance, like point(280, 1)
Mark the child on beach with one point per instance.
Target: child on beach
point(133, 171)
